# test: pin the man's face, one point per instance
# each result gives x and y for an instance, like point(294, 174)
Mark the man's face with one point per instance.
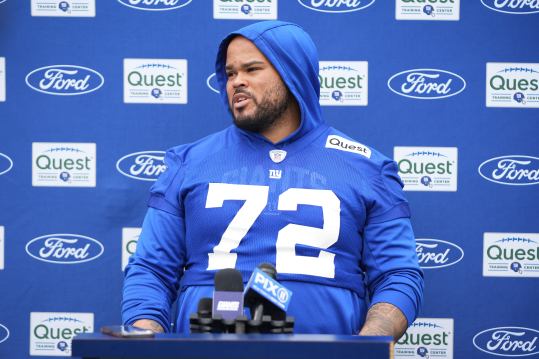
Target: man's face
point(256, 94)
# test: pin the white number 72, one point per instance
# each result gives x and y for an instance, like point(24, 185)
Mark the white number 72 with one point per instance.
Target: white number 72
point(256, 198)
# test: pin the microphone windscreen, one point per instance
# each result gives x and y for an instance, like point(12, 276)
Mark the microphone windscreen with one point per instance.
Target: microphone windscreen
point(228, 280)
point(205, 307)
point(269, 269)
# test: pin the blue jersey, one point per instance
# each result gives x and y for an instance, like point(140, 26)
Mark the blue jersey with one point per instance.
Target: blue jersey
point(326, 210)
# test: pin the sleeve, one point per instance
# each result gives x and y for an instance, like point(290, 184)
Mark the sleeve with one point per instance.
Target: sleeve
point(389, 257)
point(154, 271)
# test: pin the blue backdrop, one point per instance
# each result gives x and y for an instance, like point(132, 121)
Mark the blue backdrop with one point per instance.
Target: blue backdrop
point(91, 93)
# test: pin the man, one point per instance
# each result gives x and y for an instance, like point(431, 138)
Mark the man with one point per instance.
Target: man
point(278, 186)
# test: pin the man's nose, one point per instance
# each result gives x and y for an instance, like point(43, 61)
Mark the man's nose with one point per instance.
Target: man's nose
point(239, 80)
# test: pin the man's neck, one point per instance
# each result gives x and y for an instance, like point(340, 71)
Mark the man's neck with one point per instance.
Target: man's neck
point(285, 125)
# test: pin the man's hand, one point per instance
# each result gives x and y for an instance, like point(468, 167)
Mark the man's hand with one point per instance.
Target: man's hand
point(149, 324)
point(384, 319)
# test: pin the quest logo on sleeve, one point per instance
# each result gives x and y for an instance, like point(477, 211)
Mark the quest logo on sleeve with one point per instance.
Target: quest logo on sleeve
point(65, 8)
point(51, 333)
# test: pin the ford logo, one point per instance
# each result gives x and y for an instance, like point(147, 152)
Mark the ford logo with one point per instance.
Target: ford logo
point(515, 7)
point(4, 333)
point(211, 81)
point(155, 5)
point(64, 248)
point(435, 253)
point(336, 6)
point(426, 84)
point(507, 341)
point(144, 166)
point(5, 164)
point(64, 80)
point(513, 170)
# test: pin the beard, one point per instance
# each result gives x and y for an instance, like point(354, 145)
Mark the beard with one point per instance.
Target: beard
point(267, 112)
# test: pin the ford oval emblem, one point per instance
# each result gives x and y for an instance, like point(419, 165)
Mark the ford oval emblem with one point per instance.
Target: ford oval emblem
point(64, 80)
point(508, 341)
point(426, 84)
point(512, 7)
point(435, 253)
point(514, 170)
point(336, 6)
point(64, 248)
point(155, 5)
point(144, 166)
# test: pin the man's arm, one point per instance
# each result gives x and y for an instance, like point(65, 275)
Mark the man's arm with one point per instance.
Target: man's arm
point(384, 319)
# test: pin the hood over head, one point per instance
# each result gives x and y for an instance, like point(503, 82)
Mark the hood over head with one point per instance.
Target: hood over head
point(295, 57)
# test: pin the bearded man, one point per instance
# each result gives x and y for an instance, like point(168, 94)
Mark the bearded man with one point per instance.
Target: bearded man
point(278, 186)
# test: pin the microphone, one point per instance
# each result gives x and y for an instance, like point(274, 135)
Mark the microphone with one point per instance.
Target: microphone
point(228, 295)
point(265, 296)
point(201, 321)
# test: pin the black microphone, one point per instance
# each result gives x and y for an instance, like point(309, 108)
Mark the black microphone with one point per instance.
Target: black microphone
point(204, 307)
point(228, 294)
point(265, 296)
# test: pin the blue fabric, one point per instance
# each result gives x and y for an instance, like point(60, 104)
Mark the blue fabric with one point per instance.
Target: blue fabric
point(357, 194)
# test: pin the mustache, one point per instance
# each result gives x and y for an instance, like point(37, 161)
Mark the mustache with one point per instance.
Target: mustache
point(242, 91)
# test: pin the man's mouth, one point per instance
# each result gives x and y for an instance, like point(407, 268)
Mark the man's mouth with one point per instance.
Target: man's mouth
point(239, 100)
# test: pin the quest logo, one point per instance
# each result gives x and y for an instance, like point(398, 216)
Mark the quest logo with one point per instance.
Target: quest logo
point(512, 84)
point(507, 341)
point(511, 255)
point(433, 10)
point(6, 164)
point(51, 333)
point(155, 5)
point(336, 6)
point(427, 338)
point(435, 253)
point(64, 80)
point(64, 248)
point(64, 8)
point(427, 168)
point(514, 170)
point(514, 7)
point(426, 84)
point(4, 333)
point(343, 83)
point(63, 164)
point(143, 166)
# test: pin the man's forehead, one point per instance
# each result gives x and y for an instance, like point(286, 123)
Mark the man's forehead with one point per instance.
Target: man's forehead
point(243, 49)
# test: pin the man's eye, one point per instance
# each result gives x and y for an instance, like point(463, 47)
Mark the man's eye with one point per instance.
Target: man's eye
point(229, 74)
point(251, 69)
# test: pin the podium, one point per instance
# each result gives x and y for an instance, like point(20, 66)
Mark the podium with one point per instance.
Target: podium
point(232, 346)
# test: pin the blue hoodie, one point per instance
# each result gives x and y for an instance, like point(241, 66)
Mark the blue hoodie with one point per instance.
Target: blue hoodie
point(329, 213)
